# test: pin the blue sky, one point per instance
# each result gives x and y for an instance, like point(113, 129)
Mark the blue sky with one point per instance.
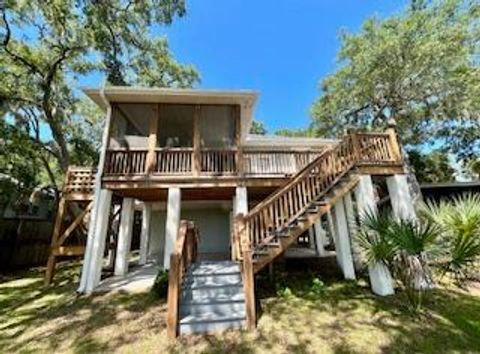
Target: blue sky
point(281, 48)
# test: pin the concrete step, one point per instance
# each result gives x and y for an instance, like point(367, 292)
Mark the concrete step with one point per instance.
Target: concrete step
point(204, 280)
point(211, 322)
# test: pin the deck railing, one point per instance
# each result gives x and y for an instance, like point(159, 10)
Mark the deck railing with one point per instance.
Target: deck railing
point(173, 161)
point(79, 180)
point(209, 161)
point(369, 148)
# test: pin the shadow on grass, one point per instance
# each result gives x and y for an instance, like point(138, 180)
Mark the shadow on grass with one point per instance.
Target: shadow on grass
point(59, 317)
point(449, 321)
point(317, 314)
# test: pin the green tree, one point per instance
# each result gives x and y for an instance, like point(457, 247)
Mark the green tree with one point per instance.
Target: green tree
point(296, 132)
point(258, 128)
point(419, 67)
point(433, 167)
point(47, 46)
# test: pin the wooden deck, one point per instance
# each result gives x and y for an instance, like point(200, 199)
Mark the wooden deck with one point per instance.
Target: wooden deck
point(128, 169)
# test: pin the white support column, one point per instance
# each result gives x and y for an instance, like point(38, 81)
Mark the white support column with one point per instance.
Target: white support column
point(365, 196)
point(402, 202)
point(240, 201)
point(320, 237)
point(352, 229)
point(145, 233)
point(114, 226)
point(98, 195)
point(331, 227)
point(124, 237)
point(342, 246)
point(172, 224)
point(93, 266)
point(381, 280)
point(311, 238)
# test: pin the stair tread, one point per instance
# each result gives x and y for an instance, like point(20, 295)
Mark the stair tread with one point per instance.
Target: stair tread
point(214, 268)
point(213, 286)
point(218, 299)
point(213, 317)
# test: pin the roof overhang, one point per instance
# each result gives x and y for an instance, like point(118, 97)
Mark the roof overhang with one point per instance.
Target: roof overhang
point(246, 99)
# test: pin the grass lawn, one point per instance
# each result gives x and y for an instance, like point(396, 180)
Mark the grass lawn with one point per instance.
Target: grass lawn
point(339, 317)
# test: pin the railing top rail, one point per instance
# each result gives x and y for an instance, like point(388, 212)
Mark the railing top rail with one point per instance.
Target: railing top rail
point(371, 134)
point(126, 149)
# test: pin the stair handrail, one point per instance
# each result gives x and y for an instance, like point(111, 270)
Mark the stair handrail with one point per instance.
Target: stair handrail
point(185, 253)
point(316, 179)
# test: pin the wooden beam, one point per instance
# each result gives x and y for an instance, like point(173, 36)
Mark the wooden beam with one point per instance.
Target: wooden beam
point(68, 250)
point(55, 235)
point(74, 224)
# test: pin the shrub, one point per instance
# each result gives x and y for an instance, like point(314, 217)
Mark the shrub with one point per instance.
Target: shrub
point(160, 286)
point(404, 247)
point(459, 220)
point(317, 286)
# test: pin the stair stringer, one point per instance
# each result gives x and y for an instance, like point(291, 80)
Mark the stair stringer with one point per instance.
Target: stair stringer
point(275, 250)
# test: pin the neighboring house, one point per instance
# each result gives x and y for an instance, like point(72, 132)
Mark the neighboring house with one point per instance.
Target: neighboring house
point(446, 190)
point(187, 155)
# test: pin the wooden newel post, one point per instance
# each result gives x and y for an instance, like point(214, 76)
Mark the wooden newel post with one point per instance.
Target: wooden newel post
point(393, 141)
point(249, 288)
point(172, 299)
point(357, 149)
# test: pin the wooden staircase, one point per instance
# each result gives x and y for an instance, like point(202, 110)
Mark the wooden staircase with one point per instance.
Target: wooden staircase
point(273, 225)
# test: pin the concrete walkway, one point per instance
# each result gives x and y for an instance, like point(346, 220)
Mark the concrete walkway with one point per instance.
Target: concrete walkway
point(139, 279)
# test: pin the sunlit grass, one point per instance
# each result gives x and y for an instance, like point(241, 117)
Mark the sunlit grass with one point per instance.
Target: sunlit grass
point(328, 317)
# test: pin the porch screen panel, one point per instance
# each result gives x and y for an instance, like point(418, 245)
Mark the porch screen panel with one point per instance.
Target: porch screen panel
point(217, 127)
point(130, 124)
point(175, 139)
point(128, 144)
point(175, 126)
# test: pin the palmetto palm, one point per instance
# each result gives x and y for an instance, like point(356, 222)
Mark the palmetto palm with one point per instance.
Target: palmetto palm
point(459, 220)
point(404, 246)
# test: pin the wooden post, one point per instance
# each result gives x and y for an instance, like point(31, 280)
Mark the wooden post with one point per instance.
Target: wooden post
point(172, 299)
point(238, 141)
point(393, 141)
point(196, 160)
point(249, 289)
point(152, 140)
point(356, 145)
point(56, 234)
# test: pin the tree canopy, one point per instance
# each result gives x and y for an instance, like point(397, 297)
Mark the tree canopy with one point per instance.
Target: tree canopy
point(258, 127)
point(431, 168)
point(419, 67)
point(48, 46)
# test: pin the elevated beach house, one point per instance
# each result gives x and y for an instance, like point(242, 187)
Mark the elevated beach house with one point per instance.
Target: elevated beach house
point(218, 204)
